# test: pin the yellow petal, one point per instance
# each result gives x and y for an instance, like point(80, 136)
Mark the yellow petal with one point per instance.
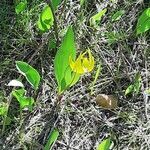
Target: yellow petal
point(86, 64)
point(91, 58)
point(71, 62)
point(83, 54)
point(76, 66)
point(82, 64)
point(91, 61)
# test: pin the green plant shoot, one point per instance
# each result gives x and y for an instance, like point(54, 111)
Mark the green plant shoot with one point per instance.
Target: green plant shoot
point(20, 7)
point(62, 69)
point(52, 139)
point(105, 144)
point(135, 87)
point(22, 99)
point(67, 68)
point(46, 19)
point(95, 20)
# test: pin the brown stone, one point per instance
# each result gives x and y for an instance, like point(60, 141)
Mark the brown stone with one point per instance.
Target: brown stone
point(107, 101)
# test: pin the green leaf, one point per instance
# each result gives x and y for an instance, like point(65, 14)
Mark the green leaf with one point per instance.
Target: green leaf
point(94, 20)
point(20, 7)
point(105, 144)
point(63, 72)
point(26, 102)
point(129, 89)
point(118, 15)
point(22, 99)
point(52, 139)
point(135, 87)
point(75, 78)
point(143, 24)
point(46, 19)
point(3, 108)
point(56, 3)
point(19, 93)
point(29, 72)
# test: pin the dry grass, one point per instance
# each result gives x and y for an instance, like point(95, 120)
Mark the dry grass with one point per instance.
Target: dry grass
point(82, 124)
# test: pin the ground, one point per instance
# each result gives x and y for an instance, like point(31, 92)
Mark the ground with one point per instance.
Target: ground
point(82, 124)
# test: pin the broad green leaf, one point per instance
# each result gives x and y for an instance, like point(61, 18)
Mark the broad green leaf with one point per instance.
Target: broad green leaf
point(3, 108)
point(46, 19)
point(22, 99)
point(118, 15)
point(143, 24)
point(29, 72)
point(94, 20)
point(62, 69)
point(52, 139)
point(56, 3)
point(20, 7)
point(105, 144)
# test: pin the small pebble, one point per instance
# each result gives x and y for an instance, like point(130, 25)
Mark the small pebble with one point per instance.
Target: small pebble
point(107, 101)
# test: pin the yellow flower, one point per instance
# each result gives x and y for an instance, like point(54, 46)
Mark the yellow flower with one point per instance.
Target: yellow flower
point(82, 64)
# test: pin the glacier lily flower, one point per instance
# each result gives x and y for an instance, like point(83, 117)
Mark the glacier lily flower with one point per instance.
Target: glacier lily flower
point(82, 64)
